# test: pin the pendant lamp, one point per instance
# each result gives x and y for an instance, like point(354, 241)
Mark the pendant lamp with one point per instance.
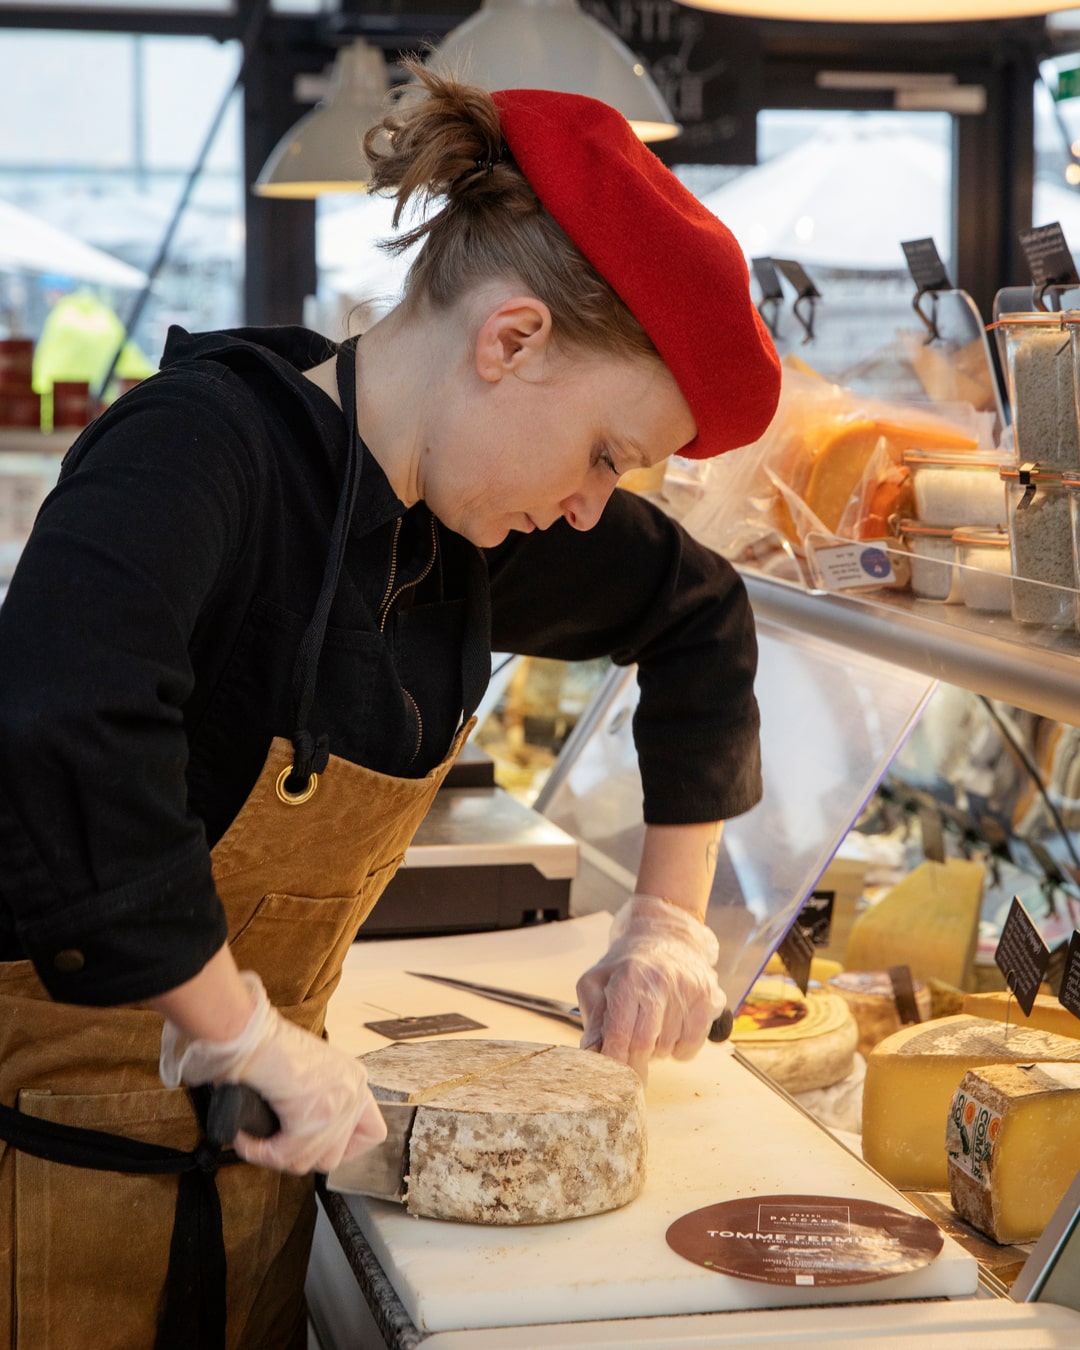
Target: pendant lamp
point(554, 44)
point(884, 11)
point(324, 151)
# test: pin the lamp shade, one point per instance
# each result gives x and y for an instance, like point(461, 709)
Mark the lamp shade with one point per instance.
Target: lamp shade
point(554, 44)
point(884, 11)
point(324, 151)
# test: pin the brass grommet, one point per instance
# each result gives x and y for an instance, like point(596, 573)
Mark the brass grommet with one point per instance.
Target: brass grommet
point(295, 798)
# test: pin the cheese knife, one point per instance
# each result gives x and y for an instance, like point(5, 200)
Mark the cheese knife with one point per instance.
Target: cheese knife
point(549, 1007)
point(380, 1172)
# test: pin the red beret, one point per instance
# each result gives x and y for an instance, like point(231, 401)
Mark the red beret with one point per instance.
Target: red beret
point(679, 270)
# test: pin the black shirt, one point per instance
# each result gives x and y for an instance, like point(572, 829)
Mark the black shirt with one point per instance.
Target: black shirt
point(148, 642)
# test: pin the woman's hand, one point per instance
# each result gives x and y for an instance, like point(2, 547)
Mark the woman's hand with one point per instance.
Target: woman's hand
point(319, 1093)
point(655, 990)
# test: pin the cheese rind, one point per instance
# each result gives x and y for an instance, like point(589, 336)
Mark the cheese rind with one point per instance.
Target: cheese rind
point(869, 995)
point(1013, 1145)
point(910, 1080)
point(404, 1073)
point(801, 1042)
point(1047, 1014)
point(515, 1133)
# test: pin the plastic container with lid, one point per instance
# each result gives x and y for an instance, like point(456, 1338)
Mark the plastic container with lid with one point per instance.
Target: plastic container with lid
point(1071, 484)
point(956, 489)
point(1041, 541)
point(984, 566)
point(1041, 357)
point(933, 576)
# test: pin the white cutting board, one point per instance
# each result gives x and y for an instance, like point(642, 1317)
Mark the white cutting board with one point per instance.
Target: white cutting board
point(716, 1132)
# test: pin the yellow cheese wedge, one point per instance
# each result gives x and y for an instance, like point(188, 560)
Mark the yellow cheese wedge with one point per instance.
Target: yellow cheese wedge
point(910, 1080)
point(1047, 1014)
point(929, 922)
point(1013, 1144)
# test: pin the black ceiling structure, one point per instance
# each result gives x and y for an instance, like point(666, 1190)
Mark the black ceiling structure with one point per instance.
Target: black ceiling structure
point(716, 71)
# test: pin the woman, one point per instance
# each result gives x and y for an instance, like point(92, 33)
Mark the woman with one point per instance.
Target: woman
point(244, 643)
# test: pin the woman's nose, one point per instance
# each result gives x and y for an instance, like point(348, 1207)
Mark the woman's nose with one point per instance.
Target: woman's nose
point(583, 509)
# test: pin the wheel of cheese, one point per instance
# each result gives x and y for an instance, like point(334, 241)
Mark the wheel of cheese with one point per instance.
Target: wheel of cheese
point(510, 1132)
point(801, 1041)
point(869, 995)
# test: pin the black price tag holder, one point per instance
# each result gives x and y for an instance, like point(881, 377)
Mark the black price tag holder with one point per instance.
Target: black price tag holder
point(1052, 268)
point(806, 293)
point(930, 278)
point(797, 951)
point(772, 293)
point(903, 988)
point(1022, 956)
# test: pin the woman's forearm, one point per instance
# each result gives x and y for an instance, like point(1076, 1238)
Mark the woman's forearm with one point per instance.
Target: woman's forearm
point(678, 863)
point(214, 1005)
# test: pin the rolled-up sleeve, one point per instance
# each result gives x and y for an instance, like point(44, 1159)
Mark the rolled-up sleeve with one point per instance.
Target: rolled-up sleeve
point(107, 877)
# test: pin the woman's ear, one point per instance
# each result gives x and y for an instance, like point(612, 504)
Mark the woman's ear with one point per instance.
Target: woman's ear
point(513, 339)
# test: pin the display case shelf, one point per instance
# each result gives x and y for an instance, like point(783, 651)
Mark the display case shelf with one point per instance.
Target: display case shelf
point(1027, 667)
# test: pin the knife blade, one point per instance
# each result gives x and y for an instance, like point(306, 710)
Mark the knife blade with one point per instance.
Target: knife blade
point(379, 1172)
point(549, 1007)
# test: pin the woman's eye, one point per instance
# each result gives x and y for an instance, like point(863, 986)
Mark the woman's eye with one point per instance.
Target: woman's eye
point(605, 458)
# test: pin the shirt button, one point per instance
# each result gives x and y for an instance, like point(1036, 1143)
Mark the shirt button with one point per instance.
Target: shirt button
point(69, 961)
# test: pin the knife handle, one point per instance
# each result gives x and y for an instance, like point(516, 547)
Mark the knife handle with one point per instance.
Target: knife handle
point(235, 1106)
point(721, 1028)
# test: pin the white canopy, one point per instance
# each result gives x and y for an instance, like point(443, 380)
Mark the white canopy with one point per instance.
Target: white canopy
point(844, 199)
point(28, 244)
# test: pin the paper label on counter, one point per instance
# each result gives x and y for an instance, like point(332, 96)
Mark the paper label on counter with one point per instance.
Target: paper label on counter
point(970, 1133)
point(846, 567)
point(415, 1028)
point(805, 1240)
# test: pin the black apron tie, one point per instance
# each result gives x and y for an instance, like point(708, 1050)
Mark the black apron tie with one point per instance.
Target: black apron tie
point(193, 1307)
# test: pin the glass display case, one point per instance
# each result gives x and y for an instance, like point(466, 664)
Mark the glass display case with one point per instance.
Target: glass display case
point(832, 720)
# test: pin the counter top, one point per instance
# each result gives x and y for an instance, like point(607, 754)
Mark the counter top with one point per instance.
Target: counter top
point(716, 1131)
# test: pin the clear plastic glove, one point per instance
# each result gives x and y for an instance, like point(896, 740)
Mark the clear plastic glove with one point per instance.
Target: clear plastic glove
point(320, 1094)
point(655, 990)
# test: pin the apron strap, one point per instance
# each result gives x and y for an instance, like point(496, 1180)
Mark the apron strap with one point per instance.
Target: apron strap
point(193, 1309)
point(310, 753)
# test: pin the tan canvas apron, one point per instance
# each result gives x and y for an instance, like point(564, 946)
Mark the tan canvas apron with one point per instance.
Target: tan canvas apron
point(85, 1252)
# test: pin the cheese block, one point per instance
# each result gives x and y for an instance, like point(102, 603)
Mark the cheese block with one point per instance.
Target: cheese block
point(801, 1041)
point(1047, 1014)
point(928, 921)
point(869, 995)
point(510, 1132)
point(910, 1080)
point(1013, 1145)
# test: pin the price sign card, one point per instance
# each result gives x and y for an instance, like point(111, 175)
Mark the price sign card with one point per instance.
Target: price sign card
point(925, 265)
point(796, 275)
point(1069, 991)
point(847, 567)
point(797, 951)
point(903, 987)
point(766, 277)
point(1048, 256)
point(816, 916)
point(1022, 956)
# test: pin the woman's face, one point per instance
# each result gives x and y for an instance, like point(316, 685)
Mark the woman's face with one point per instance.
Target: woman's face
point(549, 441)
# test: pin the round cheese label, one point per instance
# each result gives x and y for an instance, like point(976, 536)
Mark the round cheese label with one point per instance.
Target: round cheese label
point(805, 1240)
